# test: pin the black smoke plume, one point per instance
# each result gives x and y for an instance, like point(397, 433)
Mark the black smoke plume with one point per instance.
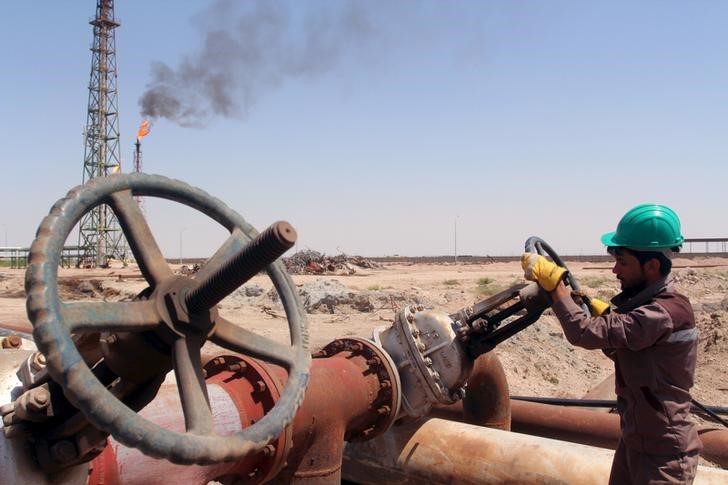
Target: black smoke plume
point(250, 48)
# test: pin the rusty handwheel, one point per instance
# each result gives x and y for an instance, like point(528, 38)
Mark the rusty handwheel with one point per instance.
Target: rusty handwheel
point(180, 311)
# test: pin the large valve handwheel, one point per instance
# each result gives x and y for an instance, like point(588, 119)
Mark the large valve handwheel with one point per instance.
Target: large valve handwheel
point(181, 310)
point(537, 245)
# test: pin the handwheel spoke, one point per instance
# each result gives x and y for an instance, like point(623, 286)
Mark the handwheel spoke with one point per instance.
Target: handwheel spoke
point(141, 241)
point(230, 248)
point(243, 341)
point(191, 385)
point(122, 316)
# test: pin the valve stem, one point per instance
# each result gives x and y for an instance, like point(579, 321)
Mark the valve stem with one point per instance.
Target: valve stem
point(249, 261)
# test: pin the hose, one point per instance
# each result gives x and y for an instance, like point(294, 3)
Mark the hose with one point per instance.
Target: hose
point(712, 411)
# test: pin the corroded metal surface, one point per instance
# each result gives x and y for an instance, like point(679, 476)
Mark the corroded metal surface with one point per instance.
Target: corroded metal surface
point(266, 247)
point(353, 395)
point(16, 463)
point(440, 451)
point(487, 401)
point(53, 322)
point(715, 445)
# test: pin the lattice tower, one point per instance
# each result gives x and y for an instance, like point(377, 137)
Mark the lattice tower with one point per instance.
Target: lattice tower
point(100, 236)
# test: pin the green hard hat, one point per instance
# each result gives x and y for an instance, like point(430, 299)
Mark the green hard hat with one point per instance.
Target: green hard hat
point(646, 227)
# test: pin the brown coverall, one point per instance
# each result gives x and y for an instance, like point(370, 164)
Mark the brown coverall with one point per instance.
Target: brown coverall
point(652, 340)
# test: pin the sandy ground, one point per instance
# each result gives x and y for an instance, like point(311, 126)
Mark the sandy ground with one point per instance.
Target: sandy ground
point(538, 361)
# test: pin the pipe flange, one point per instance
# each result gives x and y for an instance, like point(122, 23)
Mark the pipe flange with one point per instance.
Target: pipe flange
point(386, 404)
point(254, 390)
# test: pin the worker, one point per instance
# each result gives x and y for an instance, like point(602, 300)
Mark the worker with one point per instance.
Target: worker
point(650, 336)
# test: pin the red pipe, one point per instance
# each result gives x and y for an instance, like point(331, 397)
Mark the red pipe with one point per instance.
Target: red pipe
point(487, 404)
point(487, 399)
point(349, 397)
point(566, 423)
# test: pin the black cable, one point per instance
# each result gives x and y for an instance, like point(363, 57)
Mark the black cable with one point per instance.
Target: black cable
point(713, 411)
point(710, 413)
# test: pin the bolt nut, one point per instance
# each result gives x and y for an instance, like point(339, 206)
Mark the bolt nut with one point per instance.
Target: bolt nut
point(416, 333)
point(428, 362)
point(237, 367)
point(269, 450)
point(374, 361)
point(254, 473)
point(384, 410)
point(458, 393)
point(39, 399)
point(410, 318)
point(421, 347)
point(12, 342)
point(38, 361)
point(420, 308)
point(260, 386)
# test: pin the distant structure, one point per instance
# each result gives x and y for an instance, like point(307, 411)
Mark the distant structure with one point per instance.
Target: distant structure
point(141, 133)
point(100, 237)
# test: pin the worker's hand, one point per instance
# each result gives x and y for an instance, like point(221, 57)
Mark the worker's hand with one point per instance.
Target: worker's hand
point(598, 307)
point(542, 271)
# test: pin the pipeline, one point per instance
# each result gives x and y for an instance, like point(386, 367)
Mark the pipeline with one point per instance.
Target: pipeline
point(242, 390)
point(440, 451)
point(487, 395)
point(696, 407)
point(486, 401)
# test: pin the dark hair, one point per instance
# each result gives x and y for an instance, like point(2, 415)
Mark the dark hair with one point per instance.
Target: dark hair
point(644, 256)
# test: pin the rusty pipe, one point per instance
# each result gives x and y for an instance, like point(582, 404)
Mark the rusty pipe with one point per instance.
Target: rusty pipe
point(715, 445)
point(351, 397)
point(564, 423)
point(487, 398)
point(440, 451)
point(598, 429)
point(483, 402)
point(347, 399)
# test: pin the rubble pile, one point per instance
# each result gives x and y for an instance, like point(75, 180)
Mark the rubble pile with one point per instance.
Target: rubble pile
point(313, 262)
point(185, 270)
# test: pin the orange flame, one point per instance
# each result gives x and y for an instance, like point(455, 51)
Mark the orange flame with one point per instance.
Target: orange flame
point(143, 129)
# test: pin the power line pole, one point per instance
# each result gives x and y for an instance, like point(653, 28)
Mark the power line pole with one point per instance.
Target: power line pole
point(100, 236)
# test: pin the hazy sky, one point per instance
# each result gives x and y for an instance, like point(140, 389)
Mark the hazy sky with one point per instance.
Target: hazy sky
point(378, 127)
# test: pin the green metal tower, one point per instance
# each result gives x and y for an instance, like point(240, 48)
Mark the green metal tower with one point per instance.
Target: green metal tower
point(100, 237)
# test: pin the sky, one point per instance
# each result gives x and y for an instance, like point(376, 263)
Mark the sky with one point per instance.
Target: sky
point(383, 127)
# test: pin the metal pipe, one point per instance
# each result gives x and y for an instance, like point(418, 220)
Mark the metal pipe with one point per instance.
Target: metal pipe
point(715, 445)
point(486, 401)
point(568, 424)
point(597, 429)
point(440, 451)
point(349, 397)
point(575, 425)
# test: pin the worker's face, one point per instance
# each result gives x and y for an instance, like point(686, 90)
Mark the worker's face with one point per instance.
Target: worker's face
point(629, 271)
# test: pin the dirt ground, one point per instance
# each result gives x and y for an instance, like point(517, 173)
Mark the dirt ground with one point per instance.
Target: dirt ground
point(538, 361)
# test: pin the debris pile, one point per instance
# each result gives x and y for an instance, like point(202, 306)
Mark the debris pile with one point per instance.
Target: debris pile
point(313, 262)
point(185, 270)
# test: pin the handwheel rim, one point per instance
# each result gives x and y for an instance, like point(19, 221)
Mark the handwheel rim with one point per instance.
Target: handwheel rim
point(81, 387)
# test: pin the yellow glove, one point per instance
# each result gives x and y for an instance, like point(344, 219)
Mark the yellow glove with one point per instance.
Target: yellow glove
point(542, 271)
point(598, 307)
